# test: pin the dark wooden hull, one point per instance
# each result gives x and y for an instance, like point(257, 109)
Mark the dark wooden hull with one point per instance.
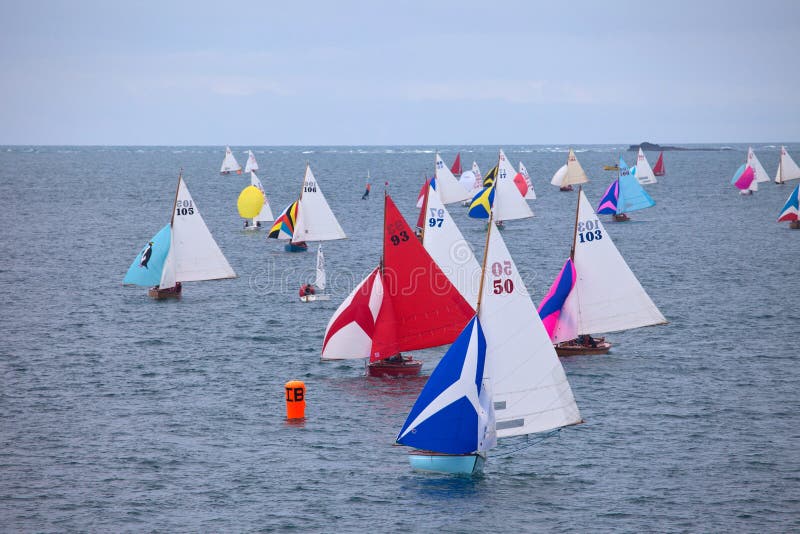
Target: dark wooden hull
point(169, 293)
point(567, 188)
point(385, 368)
point(621, 217)
point(794, 225)
point(570, 348)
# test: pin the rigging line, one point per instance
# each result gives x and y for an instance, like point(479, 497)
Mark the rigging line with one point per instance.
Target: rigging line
point(529, 445)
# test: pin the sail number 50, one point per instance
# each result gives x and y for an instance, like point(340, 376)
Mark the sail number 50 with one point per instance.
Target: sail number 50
point(502, 285)
point(589, 231)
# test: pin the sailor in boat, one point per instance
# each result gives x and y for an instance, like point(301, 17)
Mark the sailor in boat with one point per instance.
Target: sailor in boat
point(587, 341)
point(366, 193)
point(307, 289)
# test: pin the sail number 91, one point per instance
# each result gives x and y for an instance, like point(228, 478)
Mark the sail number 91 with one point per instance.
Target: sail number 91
point(184, 207)
point(589, 231)
point(437, 217)
point(502, 285)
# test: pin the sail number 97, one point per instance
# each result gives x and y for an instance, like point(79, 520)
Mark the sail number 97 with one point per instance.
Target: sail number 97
point(500, 284)
point(184, 207)
point(437, 217)
point(589, 231)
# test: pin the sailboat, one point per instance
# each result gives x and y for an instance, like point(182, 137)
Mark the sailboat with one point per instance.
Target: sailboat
point(624, 195)
point(456, 167)
point(365, 196)
point(502, 196)
point(791, 210)
point(265, 212)
point(501, 378)
point(530, 194)
point(315, 292)
point(309, 218)
point(659, 170)
point(252, 164)
point(472, 181)
point(595, 291)
point(758, 169)
point(643, 171)
point(450, 189)
point(182, 251)
point(745, 180)
point(569, 174)
point(229, 164)
point(787, 168)
point(446, 244)
point(406, 303)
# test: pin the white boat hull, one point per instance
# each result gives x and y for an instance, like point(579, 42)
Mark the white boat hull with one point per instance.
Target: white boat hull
point(453, 464)
point(313, 298)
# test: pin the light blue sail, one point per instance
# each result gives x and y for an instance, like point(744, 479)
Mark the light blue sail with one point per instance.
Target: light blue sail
point(447, 416)
point(146, 268)
point(632, 196)
point(738, 173)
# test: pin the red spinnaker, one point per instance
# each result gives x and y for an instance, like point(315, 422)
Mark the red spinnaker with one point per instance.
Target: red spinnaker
point(456, 168)
point(658, 170)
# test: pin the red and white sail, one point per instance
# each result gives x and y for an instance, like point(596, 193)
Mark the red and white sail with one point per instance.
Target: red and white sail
point(787, 168)
point(531, 194)
point(643, 171)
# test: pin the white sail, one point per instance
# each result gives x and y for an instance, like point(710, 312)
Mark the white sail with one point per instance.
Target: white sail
point(758, 169)
point(530, 390)
point(531, 194)
point(229, 164)
point(315, 220)
point(321, 279)
point(360, 309)
point(787, 168)
point(449, 189)
point(643, 171)
point(266, 212)
point(448, 248)
point(467, 180)
point(606, 297)
point(508, 203)
point(251, 164)
point(193, 253)
point(559, 176)
point(478, 177)
point(575, 173)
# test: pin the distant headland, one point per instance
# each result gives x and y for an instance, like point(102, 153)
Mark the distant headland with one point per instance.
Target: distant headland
point(653, 147)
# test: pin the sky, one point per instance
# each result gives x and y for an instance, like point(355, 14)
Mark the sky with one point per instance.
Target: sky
point(252, 73)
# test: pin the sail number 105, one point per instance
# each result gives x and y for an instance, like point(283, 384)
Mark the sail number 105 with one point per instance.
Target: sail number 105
point(184, 207)
point(589, 231)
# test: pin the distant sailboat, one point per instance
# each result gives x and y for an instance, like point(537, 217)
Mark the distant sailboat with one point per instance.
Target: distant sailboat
point(406, 303)
point(570, 174)
point(265, 212)
point(309, 218)
point(229, 164)
point(643, 171)
point(760, 174)
point(595, 291)
point(456, 167)
point(745, 180)
point(530, 194)
point(624, 195)
point(659, 170)
point(787, 168)
point(472, 181)
point(791, 210)
point(450, 189)
point(501, 196)
point(314, 292)
point(365, 196)
point(252, 164)
point(501, 378)
point(182, 251)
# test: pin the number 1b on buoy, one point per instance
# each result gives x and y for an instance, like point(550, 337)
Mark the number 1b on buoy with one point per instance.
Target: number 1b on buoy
point(295, 399)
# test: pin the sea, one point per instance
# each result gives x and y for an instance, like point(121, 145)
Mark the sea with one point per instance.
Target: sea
point(119, 413)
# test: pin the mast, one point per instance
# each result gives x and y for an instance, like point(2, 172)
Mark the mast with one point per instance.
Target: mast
point(483, 264)
point(780, 166)
point(575, 229)
point(175, 202)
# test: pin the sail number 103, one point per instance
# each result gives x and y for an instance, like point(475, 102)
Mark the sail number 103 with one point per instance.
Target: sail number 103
point(589, 231)
point(184, 207)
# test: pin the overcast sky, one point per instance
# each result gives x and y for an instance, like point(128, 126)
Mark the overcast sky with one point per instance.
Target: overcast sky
point(399, 72)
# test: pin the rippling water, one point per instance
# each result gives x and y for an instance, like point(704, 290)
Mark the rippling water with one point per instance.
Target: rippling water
point(121, 413)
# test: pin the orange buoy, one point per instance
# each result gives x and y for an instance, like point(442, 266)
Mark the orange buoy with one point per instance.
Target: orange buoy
point(295, 399)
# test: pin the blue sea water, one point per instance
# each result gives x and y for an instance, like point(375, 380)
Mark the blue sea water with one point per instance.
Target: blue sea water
point(119, 413)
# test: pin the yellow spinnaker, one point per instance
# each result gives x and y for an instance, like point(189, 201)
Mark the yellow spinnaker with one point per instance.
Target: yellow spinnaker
point(250, 202)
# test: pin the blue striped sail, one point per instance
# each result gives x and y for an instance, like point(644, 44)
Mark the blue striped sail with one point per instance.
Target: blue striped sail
point(632, 196)
point(448, 415)
point(146, 268)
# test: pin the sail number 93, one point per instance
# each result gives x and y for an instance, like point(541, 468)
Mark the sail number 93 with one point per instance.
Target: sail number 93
point(184, 207)
point(397, 233)
point(589, 231)
point(502, 285)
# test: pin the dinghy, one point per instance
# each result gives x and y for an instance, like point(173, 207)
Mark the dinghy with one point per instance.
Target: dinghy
point(252, 164)
point(182, 251)
point(758, 169)
point(643, 171)
point(791, 210)
point(265, 213)
point(365, 196)
point(406, 303)
point(316, 290)
point(229, 164)
point(787, 168)
point(745, 180)
point(501, 378)
point(309, 218)
point(659, 170)
point(502, 198)
point(595, 291)
point(624, 195)
point(455, 168)
point(570, 174)
point(450, 190)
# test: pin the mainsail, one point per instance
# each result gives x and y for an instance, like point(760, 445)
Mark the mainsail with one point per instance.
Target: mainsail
point(449, 188)
point(787, 168)
point(643, 171)
point(252, 164)
point(229, 164)
point(315, 220)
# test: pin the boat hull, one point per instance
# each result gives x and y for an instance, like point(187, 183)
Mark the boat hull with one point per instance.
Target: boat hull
point(314, 298)
point(794, 225)
point(621, 217)
point(452, 464)
point(569, 348)
point(169, 293)
point(385, 368)
point(566, 188)
point(295, 247)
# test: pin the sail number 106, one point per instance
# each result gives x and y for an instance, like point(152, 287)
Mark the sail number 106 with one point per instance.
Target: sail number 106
point(589, 231)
